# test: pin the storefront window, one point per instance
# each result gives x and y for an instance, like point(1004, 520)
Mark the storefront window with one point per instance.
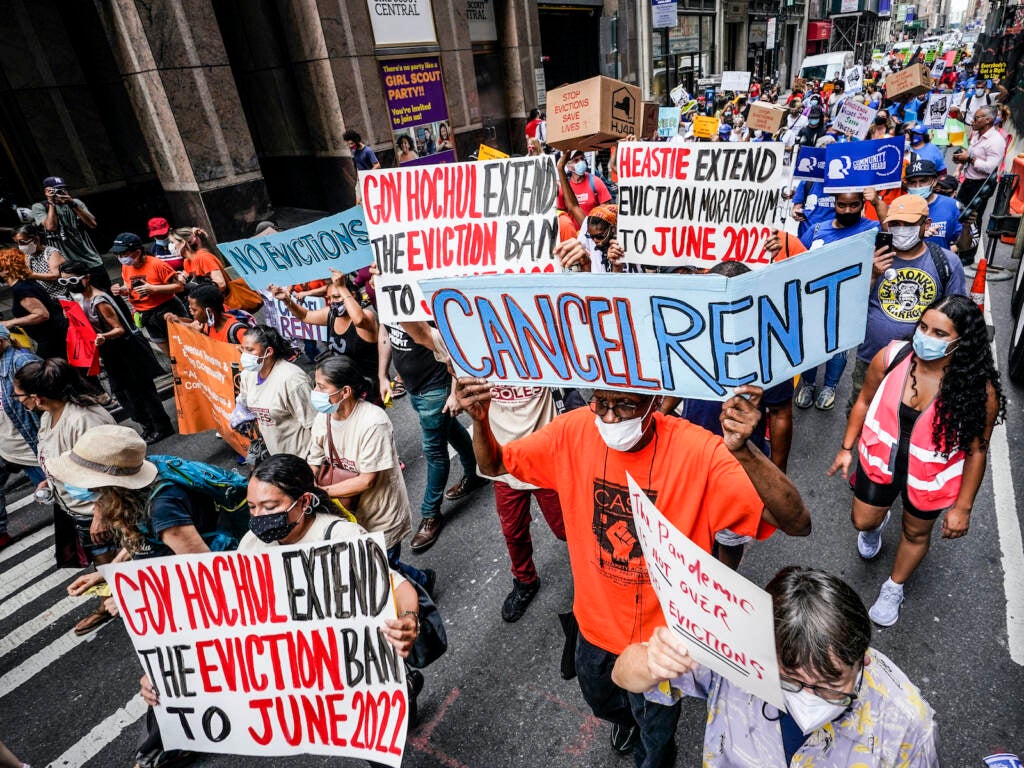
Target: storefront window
point(682, 54)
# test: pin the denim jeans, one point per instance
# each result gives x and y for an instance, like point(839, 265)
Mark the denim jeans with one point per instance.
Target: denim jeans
point(833, 371)
point(410, 572)
point(439, 429)
point(609, 702)
point(34, 474)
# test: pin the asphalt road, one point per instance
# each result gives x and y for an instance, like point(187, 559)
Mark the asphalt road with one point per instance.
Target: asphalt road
point(496, 699)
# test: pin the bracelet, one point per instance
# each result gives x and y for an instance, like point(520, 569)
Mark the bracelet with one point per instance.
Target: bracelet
point(412, 613)
point(845, 448)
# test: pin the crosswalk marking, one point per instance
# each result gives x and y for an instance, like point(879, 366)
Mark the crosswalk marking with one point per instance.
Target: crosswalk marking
point(26, 571)
point(60, 577)
point(29, 629)
point(23, 544)
point(44, 658)
point(89, 745)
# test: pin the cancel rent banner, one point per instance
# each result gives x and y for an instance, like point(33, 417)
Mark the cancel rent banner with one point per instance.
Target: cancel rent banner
point(487, 217)
point(698, 204)
point(687, 335)
point(724, 620)
point(272, 652)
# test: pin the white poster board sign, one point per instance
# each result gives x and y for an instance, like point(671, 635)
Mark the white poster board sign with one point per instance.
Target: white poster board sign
point(853, 79)
point(854, 118)
point(724, 620)
point(735, 81)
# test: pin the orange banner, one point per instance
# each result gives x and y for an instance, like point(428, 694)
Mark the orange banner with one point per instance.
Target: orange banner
point(82, 349)
point(204, 384)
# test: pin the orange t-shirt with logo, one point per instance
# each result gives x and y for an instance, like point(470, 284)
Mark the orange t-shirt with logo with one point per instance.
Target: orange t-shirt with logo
point(686, 471)
point(202, 263)
point(153, 271)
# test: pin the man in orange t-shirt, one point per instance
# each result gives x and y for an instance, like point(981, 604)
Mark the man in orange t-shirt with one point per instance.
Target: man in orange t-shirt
point(701, 482)
point(150, 285)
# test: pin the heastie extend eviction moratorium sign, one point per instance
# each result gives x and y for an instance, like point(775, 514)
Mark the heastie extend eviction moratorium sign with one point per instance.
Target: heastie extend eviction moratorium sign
point(487, 217)
point(698, 204)
point(272, 652)
point(689, 335)
point(304, 253)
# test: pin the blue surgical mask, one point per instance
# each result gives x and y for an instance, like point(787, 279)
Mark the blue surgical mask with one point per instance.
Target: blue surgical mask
point(580, 167)
point(322, 401)
point(979, 91)
point(813, 122)
point(924, 192)
point(250, 362)
point(126, 260)
point(929, 348)
point(160, 241)
point(83, 495)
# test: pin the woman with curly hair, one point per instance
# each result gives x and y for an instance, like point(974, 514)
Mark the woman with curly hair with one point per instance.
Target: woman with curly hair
point(921, 426)
point(32, 308)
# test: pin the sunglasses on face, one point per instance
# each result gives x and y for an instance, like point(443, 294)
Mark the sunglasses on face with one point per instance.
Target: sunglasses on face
point(66, 281)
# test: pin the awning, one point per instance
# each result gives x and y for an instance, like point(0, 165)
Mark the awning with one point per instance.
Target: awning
point(819, 30)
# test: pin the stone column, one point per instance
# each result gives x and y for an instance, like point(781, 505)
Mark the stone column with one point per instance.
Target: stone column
point(519, 38)
point(176, 71)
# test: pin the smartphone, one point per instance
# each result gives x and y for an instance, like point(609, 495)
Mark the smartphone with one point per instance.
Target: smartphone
point(883, 240)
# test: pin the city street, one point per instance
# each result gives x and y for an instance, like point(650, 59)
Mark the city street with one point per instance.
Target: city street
point(496, 699)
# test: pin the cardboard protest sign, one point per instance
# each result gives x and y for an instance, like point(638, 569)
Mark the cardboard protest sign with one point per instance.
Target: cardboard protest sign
point(810, 164)
point(303, 253)
point(735, 81)
point(270, 652)
point(937, 110)
point(725, 621)
point(698, 203)
point(909, 81)
point(989, 69)
point(489, 153)
point(457, 219)
point(766, 117)
point(853, 79)
point(704, 127)
point(668, 121)
point(277, 315)
point(593, 113)
point(204, 372)
point(877, 163)
point(81, 343)
point(687, 335)
point(854, 118)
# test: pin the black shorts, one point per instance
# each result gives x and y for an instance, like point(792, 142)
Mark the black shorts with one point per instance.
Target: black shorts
point(153, 319)
point(878, 495)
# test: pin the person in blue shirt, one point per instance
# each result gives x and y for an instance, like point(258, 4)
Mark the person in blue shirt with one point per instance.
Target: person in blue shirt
point(922, 147)
point(812, 205)
point(849, 219)
point(362, 156)
point(945, 228)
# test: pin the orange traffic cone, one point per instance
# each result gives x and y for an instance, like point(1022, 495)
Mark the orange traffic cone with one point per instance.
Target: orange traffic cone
point(978, 286)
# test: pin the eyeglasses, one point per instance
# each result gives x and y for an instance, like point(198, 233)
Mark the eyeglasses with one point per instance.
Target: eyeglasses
point(624, 409)
point(21, 395)
point(839, 698)
point(65, 281)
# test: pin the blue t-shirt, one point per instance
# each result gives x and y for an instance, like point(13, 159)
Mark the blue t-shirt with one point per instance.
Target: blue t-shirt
point(172, 506)
point(824, 233)
point(364, 158)
point(819, 205)
point(929, 151)
point(895, 306)
point(707, 413)
point(945, 216)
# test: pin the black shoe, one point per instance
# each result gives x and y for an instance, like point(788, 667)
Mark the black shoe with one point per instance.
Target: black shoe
point(155, 437)
point(431, 581)
point(624, 739)
point(414, 684)
point(572, 632)
point(518, 599)
point(465, 486)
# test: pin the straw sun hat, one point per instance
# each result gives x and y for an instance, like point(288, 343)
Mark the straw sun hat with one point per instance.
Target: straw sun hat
point(105, 455)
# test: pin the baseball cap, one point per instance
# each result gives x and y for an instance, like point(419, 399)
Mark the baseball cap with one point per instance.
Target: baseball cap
point(126, 241)
point(54, 181)
point(946, 184)
point(158, 226)
point(907, 209)
point(724, 130)
point(921, 167)
point(919, 129)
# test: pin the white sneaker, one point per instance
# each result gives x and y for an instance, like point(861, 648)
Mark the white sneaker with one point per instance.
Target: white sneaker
point(804, 396)
point(886, 609)
point(869, 543)
point(44, 495)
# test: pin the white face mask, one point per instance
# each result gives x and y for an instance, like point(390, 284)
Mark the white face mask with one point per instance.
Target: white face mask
point(29, 249)
point(809, 711)
point(250, 362)
point(622, 435)
point(905, 238)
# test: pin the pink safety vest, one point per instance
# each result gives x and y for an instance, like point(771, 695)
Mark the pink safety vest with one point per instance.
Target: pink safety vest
point(933, 481)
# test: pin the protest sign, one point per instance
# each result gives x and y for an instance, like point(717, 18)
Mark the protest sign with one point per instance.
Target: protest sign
point(698, 203)
point(854, 118)
point(852, 167)
point(853, 79)
point(204, 372)
point(735, 81)
point(937, 111)
point(414, 90)
point(938, 67)
point(704, 127)
point(303, 253)
point(277, 315)
point(489, 153)
point(989, 69)
point(668, 121)
point(270, 652)
point(458, 219)
point(687, 335)
point(810, 164)
point(81, 343)
point(725, 621)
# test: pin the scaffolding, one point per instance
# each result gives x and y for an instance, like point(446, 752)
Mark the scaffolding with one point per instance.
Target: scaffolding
point(854, 32)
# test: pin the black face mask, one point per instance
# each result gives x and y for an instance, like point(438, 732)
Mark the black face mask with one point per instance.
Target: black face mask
point(881, 121)
point(271, 528)
point(847, 219)
point(76, 288)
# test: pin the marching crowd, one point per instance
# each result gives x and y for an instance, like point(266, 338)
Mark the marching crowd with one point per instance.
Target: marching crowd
point(925, 398)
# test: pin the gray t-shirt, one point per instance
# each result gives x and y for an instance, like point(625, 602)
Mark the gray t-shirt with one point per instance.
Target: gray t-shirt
point(71, 237)
point(895, 306)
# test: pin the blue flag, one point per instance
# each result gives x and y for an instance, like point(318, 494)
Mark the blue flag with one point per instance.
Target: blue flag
point(810, 164)
point(859, 164)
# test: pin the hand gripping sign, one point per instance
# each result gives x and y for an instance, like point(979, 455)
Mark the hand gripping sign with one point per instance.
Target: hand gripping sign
point(270, 652)
point(687, 335)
